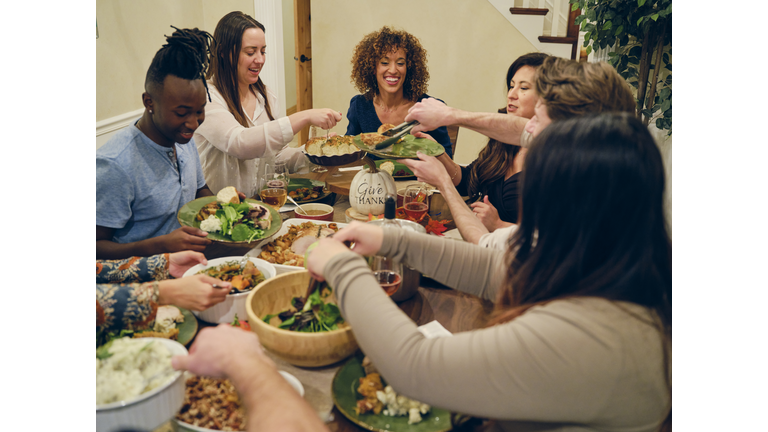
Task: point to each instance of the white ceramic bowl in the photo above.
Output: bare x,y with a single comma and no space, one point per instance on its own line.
225,311
177,425
149,410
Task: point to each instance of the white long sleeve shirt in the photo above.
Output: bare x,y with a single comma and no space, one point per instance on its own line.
234,155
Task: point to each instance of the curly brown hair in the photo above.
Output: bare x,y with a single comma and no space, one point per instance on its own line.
374,46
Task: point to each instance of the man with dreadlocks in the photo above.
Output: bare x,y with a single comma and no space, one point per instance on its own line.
147,171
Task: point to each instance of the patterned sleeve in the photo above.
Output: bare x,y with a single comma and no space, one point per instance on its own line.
126,306
134,269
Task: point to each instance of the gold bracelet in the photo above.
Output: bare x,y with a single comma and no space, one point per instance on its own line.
456,172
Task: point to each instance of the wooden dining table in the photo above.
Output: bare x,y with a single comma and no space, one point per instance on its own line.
454,310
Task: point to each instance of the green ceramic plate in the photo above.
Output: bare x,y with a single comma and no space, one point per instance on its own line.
405,149
345,396
398,167
188,213
188,328
296,183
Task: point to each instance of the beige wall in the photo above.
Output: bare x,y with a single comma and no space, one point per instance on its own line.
469,43
131,32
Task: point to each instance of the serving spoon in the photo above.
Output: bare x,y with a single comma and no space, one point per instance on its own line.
297,205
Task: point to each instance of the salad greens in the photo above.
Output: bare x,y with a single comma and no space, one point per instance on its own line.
236,223
310,315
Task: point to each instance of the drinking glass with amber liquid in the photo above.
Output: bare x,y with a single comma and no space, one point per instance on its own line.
275,190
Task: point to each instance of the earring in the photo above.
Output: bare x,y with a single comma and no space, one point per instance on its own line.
151,112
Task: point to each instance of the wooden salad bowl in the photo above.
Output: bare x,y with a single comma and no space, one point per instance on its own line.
301,349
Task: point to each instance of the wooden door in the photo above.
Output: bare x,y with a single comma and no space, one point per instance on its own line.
303,58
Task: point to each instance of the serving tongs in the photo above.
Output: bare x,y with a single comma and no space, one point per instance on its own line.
314,283
395,134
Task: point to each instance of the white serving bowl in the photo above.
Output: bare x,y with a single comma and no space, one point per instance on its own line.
225,311
149,410
180,426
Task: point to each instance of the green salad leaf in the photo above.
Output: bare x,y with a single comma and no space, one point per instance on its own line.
310,315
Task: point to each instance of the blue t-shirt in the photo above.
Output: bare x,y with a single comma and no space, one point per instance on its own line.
138,190
363,119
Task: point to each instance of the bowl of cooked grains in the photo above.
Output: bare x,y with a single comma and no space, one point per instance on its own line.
212,404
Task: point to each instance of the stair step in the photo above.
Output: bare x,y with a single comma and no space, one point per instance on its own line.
559,39
528,11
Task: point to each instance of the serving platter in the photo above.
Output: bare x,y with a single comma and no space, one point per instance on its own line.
345,397
405,149
188,213
337,160
297,183
281,268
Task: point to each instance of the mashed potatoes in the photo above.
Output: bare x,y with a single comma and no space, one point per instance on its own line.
121,376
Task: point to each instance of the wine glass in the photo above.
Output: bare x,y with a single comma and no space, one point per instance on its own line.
275,183
315,132
388,273
415,201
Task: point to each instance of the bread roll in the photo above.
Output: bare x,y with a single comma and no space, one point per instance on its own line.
228,195
385,127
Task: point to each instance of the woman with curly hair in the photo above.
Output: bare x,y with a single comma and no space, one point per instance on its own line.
242,134
389,69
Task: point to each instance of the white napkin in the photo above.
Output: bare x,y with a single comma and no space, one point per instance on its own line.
434,329
354,168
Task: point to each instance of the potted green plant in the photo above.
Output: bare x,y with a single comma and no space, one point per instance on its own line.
641,33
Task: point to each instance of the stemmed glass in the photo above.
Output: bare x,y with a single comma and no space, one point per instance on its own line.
415,201
388,273
275,183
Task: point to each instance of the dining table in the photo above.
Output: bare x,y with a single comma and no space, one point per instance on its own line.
432,302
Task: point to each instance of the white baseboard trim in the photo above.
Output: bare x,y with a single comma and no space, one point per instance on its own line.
117,122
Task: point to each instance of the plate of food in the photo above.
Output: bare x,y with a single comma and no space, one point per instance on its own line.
335,151
171,322
286,249
227,220
358,391
406,148
212,404
397,170
306,190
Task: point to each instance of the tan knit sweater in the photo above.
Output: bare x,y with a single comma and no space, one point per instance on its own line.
571,365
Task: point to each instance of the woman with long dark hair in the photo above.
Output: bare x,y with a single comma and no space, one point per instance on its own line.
495,174
580,337
242,133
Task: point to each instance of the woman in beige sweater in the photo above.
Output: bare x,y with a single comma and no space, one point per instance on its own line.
582,341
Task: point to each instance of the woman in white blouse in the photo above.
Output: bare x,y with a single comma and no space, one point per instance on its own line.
240,134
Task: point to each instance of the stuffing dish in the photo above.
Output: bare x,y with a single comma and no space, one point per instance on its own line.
213,404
